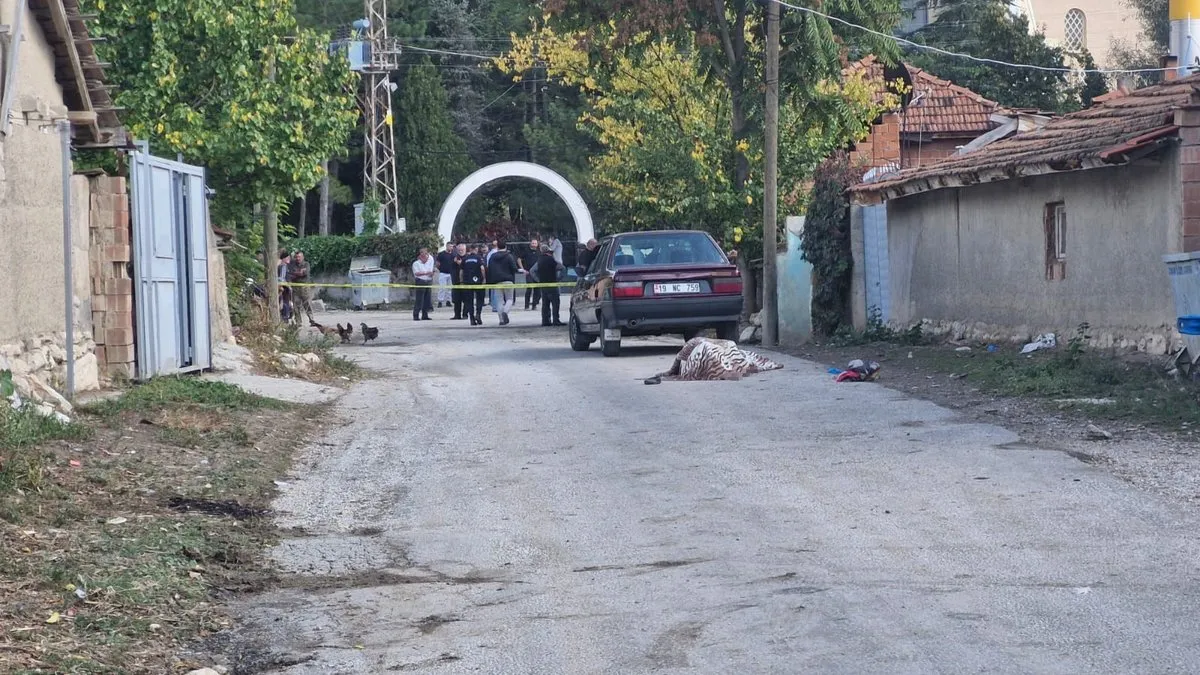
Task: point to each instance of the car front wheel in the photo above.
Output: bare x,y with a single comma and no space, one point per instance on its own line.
579,341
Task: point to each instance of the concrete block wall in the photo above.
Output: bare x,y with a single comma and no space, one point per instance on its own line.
110,252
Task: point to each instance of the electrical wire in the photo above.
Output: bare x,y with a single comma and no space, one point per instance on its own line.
969,57
450,53
886,36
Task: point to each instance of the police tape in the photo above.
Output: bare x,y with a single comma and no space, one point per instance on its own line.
465,287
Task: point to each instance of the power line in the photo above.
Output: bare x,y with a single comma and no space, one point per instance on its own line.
450,53
969,57
886,36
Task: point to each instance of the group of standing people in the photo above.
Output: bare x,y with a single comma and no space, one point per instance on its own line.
293,269
463,266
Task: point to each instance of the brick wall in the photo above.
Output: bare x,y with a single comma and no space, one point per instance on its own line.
928,152
112,286
882,147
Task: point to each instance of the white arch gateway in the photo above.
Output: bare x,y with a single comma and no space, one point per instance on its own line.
459,196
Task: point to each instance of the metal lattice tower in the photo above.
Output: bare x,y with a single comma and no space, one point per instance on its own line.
381,59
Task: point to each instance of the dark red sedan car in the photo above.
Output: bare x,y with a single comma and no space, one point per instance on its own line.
655,283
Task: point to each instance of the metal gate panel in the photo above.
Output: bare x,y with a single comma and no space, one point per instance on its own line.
170,239
875,254
196,199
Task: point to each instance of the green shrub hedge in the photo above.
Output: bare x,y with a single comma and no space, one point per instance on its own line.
332,254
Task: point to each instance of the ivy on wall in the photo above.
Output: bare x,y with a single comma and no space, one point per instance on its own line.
826,244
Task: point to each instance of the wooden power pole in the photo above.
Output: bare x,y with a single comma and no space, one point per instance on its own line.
271,262
770,310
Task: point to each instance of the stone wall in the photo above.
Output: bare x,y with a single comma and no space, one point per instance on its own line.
111,283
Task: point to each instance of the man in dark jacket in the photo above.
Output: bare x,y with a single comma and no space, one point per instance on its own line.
586,256
502,270
529,260
547,268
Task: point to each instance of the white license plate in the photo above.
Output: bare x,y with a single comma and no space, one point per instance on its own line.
612,333
672,289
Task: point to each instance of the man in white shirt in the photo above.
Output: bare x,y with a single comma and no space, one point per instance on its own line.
423,271
556,250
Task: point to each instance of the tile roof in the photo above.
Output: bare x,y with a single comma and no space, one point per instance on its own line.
78,70
938,107
1105,134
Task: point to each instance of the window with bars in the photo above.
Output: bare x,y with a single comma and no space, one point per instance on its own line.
1075,30
1056,241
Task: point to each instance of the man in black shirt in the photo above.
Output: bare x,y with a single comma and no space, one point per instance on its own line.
445,274
471,272
529,260
547,268
458,296
502,270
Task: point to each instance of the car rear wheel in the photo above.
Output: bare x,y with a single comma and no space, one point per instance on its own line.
610,347
728,331
579,341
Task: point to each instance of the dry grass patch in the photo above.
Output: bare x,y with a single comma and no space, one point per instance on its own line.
119,542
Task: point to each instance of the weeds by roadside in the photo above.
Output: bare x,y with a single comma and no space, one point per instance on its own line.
116,535
267,342
876,331
1095,385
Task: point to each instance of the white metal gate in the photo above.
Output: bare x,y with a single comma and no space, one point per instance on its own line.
875,253
170,239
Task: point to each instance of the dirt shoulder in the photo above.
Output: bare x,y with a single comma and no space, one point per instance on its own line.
123,530
1054,399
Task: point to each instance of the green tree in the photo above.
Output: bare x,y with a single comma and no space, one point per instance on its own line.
988,29
662,124
234,85
1153,42
432,157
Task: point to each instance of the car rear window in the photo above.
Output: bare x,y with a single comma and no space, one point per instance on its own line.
667,248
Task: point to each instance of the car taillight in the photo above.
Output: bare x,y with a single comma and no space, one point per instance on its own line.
627,289
727,286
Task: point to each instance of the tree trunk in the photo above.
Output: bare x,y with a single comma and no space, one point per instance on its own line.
302,226
749,285
326,209
271,260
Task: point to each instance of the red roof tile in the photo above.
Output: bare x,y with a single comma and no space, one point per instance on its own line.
938,106
1104,134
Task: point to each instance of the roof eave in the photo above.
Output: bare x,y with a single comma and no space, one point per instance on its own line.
94,121
873,194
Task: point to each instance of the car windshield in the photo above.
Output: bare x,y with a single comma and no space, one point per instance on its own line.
667,248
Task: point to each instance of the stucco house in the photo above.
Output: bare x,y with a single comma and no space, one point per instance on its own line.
1051,228
48,73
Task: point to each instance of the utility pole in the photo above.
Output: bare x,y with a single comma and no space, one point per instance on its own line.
770,310
271,253
379,145
271,242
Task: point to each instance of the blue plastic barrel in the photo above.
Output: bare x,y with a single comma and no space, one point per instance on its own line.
1189,325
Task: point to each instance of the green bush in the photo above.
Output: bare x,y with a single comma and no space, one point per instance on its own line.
332,254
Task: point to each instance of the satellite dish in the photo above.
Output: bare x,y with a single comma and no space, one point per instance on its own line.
900,72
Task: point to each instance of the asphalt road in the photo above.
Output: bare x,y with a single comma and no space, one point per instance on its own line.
498,503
